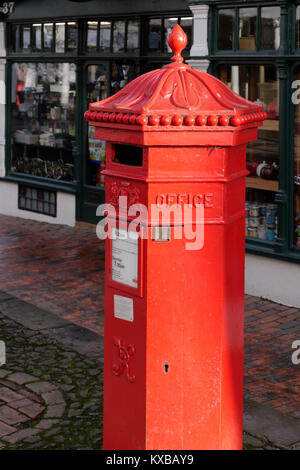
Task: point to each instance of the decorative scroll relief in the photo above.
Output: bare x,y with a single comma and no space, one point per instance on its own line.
125,354
126,189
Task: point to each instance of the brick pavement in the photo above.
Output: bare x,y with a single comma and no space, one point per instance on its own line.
61,269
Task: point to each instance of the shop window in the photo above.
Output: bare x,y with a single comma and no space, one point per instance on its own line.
60,31
43,119
37,200
155,35
72,37
226,29
21,38
92,33
159,30
36,38
259,83
298,27
270,28
296,102
96,149
119,36
48,37
247,28
132,44
123,72
238,29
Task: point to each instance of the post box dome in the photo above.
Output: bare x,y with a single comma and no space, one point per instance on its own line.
176,95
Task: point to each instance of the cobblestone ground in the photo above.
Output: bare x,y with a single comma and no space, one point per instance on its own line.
50,395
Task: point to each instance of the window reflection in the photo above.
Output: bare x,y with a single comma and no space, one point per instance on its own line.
36,37
122,72
154,38
225,29
104,35
270,28
91,40
26,42
119,36
48,37
132,35
60,37
72,36
247,28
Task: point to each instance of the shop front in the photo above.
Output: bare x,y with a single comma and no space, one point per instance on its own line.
54,67
254,47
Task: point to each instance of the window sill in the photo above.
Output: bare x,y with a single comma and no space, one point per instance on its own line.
61,186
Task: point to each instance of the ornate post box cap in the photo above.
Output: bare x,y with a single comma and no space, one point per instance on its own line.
174,99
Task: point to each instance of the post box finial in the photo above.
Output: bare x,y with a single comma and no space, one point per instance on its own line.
177,42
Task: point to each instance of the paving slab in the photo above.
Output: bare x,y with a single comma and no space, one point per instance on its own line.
80,339
263,421
30,316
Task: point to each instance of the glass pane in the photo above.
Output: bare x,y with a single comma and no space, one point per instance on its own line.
270,28
154,40
260,84
133,36
169,25
91,40
122,72
48,37
43,119
17,43
60,37
298,27
225,29
72,36
105,35
26,40
119,36
296,102
96,149
37,37
187,26
247,28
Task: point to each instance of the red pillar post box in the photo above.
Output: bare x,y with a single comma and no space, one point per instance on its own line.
173,354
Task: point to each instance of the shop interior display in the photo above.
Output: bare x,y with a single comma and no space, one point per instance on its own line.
260,84
43,119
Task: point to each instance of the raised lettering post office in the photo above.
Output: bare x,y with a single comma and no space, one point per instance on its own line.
173,373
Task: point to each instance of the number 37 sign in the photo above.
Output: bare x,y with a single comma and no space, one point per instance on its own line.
7,7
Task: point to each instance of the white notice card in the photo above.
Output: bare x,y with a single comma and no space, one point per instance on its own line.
123,308
124,258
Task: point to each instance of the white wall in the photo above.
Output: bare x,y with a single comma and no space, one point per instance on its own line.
9,206
273,279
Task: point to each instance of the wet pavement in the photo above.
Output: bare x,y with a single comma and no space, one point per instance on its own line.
59,272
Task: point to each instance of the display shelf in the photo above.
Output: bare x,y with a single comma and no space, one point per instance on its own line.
254,182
